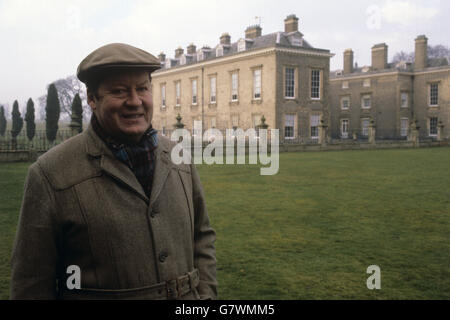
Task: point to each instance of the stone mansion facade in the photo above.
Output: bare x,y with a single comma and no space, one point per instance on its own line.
279,76
282,77
393,97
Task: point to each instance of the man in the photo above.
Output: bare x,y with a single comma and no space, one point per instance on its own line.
110,202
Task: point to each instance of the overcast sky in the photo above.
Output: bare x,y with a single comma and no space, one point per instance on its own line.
42,41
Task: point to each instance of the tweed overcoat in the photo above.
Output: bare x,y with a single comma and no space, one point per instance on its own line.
84,207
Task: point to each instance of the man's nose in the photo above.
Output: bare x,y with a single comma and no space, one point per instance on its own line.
133,99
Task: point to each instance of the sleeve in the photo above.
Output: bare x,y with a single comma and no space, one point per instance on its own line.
34,257
204,237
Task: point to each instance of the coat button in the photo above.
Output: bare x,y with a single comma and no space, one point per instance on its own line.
162,256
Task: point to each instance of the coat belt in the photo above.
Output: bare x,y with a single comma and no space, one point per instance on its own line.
171,289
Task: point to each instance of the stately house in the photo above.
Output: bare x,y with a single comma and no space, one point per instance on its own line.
232,85
393,98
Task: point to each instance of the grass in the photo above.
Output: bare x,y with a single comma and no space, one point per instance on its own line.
311,231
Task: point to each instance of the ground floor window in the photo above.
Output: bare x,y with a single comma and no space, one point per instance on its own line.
365,127
404,127
289,122
433,126
314,123
344,128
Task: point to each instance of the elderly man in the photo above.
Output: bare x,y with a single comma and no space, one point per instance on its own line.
110,203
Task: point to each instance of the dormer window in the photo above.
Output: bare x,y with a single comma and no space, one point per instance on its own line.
296,41
200,56
183,60
241,45
219,51
168,63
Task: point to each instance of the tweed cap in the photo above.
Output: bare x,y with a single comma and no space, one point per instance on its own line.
116,56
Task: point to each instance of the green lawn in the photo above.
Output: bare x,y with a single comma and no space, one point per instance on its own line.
311,231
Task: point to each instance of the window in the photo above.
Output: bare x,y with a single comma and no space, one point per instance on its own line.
235,121
234,86
314,124
404,123
366,102
183,60
177,93
404,99
219,51
296,42
434,94
365,127
344,128
200,55
289,83
345,103
163,126
212,89
433,126
241,45
345,85
315,84
257,84
194,91
289,122
366,83
163,96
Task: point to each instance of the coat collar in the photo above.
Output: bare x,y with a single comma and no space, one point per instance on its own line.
97,148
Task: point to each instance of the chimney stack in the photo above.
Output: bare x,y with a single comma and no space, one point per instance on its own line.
225,39
178,52
291,23
348,61
253,32
380,56
191,49
162,57
421,53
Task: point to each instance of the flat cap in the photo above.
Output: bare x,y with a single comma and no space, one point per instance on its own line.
116,56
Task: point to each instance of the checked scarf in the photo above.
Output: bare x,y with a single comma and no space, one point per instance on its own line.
139,157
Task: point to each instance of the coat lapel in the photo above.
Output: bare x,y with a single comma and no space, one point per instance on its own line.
110,165
163,165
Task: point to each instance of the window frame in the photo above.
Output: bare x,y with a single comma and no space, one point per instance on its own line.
194,93
406,104
404,131
211,100
255,87
178,93
315,128
290,137
430,95
430,127
163,95
234,86
314,85
363,98
286,85
346,135
365,130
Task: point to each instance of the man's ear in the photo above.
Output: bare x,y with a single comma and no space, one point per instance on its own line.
91,100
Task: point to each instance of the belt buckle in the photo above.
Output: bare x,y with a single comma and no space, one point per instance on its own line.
172,289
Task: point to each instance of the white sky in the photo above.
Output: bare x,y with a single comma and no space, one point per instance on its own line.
42,41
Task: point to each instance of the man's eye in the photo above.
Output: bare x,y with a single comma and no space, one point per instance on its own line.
142,89
118,91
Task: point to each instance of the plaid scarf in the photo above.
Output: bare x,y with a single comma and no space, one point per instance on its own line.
139,157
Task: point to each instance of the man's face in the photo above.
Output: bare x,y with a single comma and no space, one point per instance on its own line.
123,105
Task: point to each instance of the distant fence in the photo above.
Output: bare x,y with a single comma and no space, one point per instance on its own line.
26,150
38,143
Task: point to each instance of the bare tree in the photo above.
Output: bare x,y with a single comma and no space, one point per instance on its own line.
67,89
434,52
